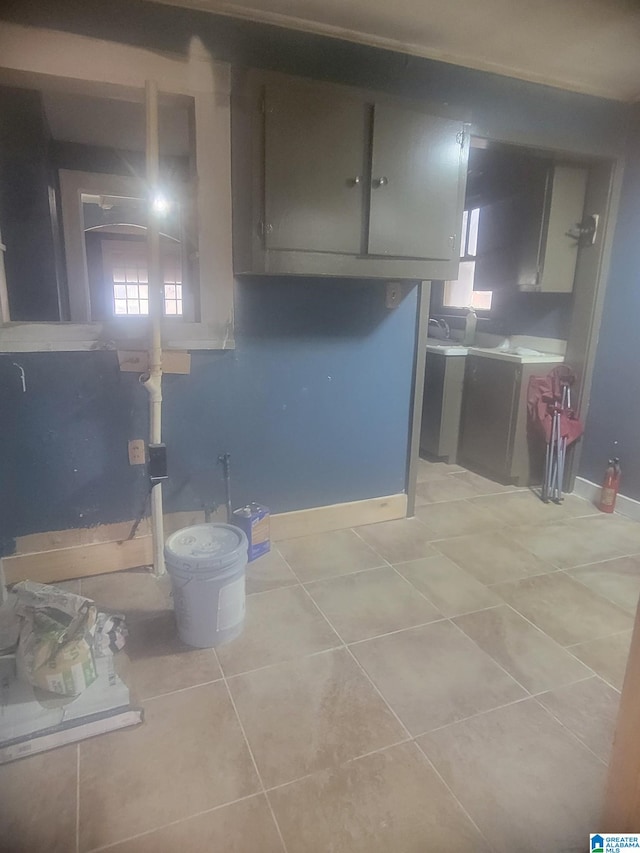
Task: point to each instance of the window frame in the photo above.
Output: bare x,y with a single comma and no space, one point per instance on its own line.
466,257
77,63
73,185
112,259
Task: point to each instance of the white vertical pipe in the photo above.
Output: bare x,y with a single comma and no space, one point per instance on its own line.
153,383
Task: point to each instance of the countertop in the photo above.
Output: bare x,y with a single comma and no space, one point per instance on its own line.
446,347
527,358
517,352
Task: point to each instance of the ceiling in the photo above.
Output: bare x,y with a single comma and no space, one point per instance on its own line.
91,120
590,46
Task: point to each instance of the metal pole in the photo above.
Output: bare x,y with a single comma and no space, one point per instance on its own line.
225,460
153,381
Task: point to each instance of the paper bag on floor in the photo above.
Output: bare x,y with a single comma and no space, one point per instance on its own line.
55,648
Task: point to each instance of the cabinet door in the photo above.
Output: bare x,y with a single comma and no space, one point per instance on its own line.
432,403
314,169
550,209
488,414
568,190
417,184
497,254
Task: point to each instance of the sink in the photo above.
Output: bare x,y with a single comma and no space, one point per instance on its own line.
446,347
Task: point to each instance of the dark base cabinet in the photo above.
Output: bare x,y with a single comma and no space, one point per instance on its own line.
441,405
494,435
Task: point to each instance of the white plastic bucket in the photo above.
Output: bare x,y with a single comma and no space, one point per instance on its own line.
206,564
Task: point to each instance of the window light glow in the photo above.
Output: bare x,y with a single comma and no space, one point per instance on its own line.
160,204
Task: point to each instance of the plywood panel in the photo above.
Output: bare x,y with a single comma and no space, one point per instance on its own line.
62,555
79,561
137,361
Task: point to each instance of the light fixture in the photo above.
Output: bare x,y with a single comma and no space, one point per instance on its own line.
160,204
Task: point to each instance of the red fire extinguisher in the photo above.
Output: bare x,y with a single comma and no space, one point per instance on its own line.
610,487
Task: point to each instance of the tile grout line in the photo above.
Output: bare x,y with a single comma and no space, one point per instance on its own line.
333,767
263,790
635,554
595,592
268,666
475,716
553,640
529,694
360,668
490,657
588,677
419,591
549,637
356,661
564,521
595,672
567,649
344,574
291,585
362,539
452,793
592,672
387,564
511,543
572,733
413,738
171,823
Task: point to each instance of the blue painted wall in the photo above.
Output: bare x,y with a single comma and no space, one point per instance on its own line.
298,438
613,425
313,405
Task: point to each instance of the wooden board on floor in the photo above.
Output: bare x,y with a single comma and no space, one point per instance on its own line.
35,543
66,554
622,798
79,561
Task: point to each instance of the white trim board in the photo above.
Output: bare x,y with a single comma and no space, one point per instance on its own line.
47,59
629,507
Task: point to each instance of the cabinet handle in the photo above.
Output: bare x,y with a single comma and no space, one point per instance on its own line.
356,180
380,182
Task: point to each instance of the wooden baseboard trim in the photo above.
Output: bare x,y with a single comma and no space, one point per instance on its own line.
66,554
322,519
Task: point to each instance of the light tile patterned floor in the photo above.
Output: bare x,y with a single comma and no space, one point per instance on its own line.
445,682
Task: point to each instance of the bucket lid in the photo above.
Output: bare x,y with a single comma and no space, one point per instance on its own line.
206,547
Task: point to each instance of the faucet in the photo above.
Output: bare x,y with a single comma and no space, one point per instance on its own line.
442,325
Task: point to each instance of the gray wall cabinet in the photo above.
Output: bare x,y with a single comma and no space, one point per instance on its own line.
329,180
494,435
548,252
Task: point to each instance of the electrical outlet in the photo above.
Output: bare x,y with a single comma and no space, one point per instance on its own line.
394,292
137,452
